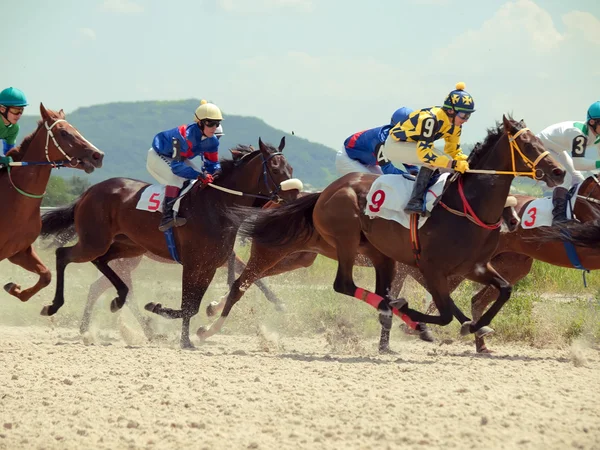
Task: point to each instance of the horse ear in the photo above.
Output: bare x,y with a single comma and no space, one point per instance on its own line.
282,144
522,123
508,126
236,154
260,143
61,114
44,112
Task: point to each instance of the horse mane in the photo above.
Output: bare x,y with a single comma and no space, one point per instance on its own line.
17,153
227,165
493,136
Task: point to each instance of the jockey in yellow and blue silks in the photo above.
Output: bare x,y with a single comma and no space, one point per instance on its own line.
411,141
184,153
363,151
12,105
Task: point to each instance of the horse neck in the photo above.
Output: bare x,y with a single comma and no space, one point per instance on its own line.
587,210
33,179
487,193
246,178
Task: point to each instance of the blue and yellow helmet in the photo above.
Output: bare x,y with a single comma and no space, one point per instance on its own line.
13,97
593,111
460,100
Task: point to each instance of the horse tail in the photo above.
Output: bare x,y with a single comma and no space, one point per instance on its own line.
586,234
280,226
60,223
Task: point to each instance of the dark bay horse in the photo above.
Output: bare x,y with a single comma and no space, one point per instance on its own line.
110,227
449,244
54,143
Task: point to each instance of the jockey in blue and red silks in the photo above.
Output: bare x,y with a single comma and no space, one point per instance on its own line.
172,157
363,151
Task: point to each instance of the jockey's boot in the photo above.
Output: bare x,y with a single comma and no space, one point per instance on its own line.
416,204
169,217
559,204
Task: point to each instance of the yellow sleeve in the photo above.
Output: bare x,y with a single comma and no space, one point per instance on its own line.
452,146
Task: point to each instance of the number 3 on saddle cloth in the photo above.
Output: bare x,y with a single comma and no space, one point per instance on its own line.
538,213
389,195
152,200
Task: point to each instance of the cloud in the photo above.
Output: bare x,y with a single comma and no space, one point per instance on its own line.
262,6
583,23
122,6
87,33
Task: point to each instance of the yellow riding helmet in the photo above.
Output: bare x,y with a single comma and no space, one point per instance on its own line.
207,111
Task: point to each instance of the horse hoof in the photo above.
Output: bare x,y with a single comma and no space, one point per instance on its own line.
187,345
484,350
9,287
114,305
484,331
465,328
426,335
387,351
398,303
152,307
211,309
47,311
201,333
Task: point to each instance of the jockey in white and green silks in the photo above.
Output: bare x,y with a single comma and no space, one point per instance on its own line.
568,143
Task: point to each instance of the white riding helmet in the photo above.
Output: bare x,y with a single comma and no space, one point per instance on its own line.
207,111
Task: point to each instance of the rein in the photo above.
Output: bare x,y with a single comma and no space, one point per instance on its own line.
266,175
55,164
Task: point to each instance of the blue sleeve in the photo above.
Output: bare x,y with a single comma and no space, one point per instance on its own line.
211,167
8,147
390,169
184,171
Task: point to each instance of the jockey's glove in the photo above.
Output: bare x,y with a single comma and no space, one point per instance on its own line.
460,166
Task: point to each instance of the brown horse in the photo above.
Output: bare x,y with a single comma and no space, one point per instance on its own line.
54,143
449,244
110,227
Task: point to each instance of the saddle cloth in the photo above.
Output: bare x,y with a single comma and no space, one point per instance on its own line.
539,212
389,195
153,197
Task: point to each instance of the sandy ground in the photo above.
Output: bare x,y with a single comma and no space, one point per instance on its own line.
265,392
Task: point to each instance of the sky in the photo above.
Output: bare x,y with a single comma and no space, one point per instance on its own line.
324,69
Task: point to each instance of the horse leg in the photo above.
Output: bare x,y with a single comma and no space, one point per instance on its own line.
262,259
30,261
195,282
231,266
238,268
487,275
97,288
438,286
513,267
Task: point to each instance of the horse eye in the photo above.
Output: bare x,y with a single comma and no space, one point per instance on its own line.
64,133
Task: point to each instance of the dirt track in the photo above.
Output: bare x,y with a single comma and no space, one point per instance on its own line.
270,393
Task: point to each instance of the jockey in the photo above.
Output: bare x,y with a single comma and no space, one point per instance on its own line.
12,105
363,151
411,141
568,142
172,157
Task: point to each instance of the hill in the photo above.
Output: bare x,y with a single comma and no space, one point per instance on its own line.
124,131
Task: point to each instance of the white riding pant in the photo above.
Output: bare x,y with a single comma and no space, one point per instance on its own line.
344,165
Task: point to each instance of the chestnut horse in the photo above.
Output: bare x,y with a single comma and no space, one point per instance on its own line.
110,227
54,143
449,244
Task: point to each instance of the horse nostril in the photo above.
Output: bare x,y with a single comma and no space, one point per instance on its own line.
97,155
557,172
514,222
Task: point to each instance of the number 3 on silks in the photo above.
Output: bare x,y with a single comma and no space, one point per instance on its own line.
532,214
377,200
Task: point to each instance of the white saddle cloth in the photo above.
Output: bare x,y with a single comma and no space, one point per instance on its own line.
389,195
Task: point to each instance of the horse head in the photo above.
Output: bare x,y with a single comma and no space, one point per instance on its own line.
277,172
64,141
529,157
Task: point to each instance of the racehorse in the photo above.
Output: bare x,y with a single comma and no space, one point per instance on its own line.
110,227
23,180
448,244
